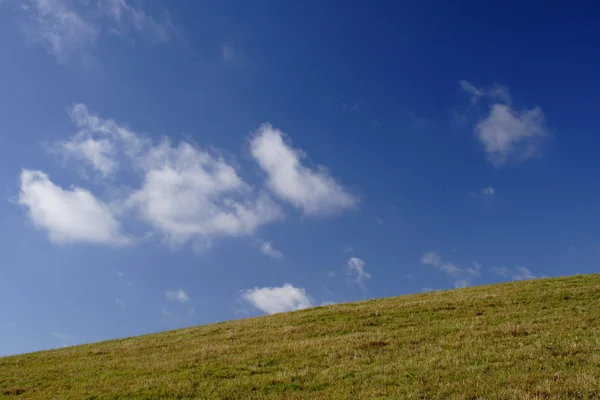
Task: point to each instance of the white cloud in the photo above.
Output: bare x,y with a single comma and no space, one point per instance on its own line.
431,258
461,283
120,303
186,193
511,136
268,249
451,269
488,191
502,271
475,270
522,273
73,215
178,295
59,28
190,193
278,299
125,15
69,29
99,142
313,191
356,268
517,273
507,135
494,92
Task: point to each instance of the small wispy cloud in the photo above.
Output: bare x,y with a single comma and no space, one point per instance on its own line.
356,269
68,29
522,273
488,192
516,274
268,249
178,295
495,92
229,53
466,275
475,269
451,269
431,258
120,303
60,336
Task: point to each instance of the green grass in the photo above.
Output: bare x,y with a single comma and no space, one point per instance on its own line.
523,340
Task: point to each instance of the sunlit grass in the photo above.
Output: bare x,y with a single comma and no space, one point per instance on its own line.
523,340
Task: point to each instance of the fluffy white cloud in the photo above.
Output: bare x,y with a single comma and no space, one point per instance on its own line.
73,215
511,136
69,28
313,191
507,135
431,258
178,295
356,268
488,191
185,193
278,299
188,192
268,249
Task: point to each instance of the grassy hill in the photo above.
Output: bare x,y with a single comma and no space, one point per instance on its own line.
522,340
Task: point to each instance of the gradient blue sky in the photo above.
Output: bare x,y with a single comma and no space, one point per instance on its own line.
167,164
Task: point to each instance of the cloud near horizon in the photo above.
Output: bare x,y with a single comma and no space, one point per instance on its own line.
273,300
433,259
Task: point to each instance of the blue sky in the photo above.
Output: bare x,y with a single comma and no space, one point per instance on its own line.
169,164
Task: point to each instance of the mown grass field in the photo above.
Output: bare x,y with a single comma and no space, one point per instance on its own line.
522,340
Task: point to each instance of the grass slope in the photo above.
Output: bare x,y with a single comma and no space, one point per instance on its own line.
523,340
